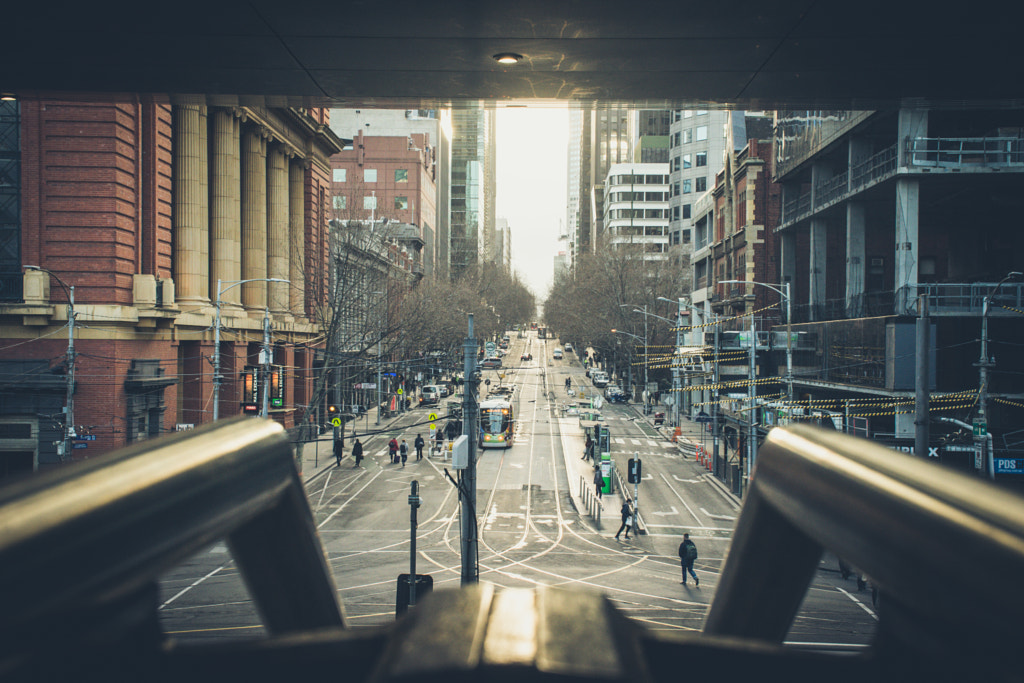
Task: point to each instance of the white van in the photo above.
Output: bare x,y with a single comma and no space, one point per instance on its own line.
599,378
430,395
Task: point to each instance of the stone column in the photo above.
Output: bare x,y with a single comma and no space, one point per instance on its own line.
277,231
254,220
191,221
296,239
819,251
225,235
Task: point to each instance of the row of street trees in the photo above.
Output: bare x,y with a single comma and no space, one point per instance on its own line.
381,313
603,294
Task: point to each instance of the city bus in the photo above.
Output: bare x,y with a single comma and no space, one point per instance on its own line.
542,332
497,423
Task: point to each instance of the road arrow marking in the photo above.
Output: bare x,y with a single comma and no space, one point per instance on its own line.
685,481
662,514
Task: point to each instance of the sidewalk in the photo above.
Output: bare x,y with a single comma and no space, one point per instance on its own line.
318,455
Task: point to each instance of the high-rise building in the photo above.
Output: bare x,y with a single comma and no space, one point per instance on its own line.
503,245
472,186
636,210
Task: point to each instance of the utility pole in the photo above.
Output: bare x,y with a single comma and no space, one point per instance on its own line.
984,363
69,405
921,379
467,477
752,394
266,363
69,422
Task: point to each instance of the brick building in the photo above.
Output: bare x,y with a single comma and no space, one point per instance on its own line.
153,211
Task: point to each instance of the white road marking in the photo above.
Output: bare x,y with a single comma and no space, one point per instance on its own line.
712,516
685,481
674,512
862,605
635,442
669,484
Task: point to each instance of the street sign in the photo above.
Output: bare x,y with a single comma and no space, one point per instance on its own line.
980,428
366,385
491,347
336,422
432,417
1009,465
86,437
81,445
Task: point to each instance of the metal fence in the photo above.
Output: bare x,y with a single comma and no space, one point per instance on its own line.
81,548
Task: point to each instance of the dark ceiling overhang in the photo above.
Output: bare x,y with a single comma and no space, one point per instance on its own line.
764,54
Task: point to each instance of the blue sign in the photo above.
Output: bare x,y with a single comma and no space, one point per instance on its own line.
1009,465
86,437
81,445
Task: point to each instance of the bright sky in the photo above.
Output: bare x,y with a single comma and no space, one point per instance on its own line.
531,188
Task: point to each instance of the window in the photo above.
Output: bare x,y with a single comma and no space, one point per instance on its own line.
675,139
369,203
702,159
702,132
675,189
688,135
675,164
401,203
675,213
701,184
687,114
338,201
370,175
339,174
401,175
686,210
687,161
687,188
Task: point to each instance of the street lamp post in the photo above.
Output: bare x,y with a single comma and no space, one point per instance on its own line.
644,340
984,363
676,383
646,356
69,410
216,340
784,293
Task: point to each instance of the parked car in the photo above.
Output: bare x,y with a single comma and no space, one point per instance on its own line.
558,354
599,378
614,393
490,363
526,356
568,347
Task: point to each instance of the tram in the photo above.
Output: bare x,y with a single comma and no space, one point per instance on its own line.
497,423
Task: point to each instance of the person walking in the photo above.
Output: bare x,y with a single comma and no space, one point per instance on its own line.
393,450
588,448
599,482
357,452
439,438
404,450
419,443
687,556
627,519
339,451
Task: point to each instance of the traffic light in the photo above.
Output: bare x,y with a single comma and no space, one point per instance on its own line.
633,471
332,410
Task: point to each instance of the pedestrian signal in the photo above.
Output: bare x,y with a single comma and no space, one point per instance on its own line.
633,472
332,409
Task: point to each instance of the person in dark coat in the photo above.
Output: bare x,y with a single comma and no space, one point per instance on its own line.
439,438
419,443
588,448
339,450
357,452
404,451
627,519
687,556
599,483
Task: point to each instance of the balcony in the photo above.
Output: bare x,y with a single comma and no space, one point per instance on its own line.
966,154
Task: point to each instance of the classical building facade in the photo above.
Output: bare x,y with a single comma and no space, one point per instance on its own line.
155,214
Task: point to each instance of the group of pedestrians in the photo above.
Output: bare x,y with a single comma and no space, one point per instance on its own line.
397,452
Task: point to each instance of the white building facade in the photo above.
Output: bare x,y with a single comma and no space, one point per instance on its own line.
636,209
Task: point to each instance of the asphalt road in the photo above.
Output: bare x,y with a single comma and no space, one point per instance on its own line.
531,532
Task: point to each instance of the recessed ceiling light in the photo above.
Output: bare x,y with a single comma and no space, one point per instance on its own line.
507,58
7,97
